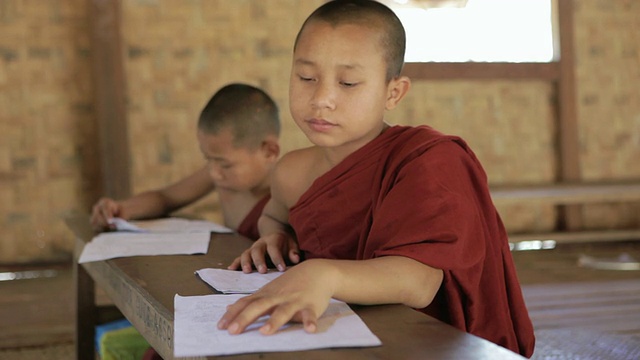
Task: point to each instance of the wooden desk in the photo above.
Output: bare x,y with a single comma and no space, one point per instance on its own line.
143,289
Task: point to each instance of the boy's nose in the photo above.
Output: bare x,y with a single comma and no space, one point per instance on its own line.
215,173
323,96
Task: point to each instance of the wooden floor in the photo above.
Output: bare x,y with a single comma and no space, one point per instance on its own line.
582,312
578,312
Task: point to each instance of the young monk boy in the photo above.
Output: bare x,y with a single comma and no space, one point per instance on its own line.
238,133
381,214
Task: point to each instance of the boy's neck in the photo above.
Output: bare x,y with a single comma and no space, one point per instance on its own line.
334,155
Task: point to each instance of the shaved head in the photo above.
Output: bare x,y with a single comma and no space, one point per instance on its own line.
373,15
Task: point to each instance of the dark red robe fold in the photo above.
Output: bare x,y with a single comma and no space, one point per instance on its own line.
417,193
249,226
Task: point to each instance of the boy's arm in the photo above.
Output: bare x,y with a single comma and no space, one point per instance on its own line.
302,293
154,203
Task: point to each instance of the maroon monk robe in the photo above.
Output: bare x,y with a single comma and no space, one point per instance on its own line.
417,193
249,226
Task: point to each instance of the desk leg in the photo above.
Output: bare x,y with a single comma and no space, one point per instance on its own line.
85,313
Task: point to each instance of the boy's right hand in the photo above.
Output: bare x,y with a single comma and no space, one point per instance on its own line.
275,246
103,211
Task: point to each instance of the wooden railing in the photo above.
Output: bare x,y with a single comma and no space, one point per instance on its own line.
571,194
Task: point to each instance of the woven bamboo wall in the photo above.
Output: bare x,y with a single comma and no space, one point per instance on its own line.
177,53
48,160
608,76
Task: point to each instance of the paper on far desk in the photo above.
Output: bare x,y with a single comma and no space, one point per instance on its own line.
168,225
235,282
122,244
196,332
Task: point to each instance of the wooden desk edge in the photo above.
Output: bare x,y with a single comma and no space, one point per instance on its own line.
155,321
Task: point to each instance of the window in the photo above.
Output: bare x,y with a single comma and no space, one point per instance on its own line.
477,30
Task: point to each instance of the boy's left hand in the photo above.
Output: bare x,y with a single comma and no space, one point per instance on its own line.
276,246
301,294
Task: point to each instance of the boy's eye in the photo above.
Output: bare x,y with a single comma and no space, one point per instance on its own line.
304,78
348,84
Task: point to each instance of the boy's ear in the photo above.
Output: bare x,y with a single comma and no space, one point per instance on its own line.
397,89
271,147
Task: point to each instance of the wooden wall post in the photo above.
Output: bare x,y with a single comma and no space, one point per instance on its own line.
110,97
570,217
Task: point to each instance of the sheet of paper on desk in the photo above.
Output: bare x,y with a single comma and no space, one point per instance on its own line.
122,244
169,225
235,282
196,333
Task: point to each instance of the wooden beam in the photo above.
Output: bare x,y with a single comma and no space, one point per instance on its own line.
567,194
110,99
482,71
568,138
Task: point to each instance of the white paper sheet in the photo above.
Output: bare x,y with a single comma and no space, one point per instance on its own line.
196,332
168,225
121,244
236,282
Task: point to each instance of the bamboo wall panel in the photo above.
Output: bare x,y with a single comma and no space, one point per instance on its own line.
47,148
608,77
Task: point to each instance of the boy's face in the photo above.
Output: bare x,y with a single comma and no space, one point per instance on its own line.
338,92
234,168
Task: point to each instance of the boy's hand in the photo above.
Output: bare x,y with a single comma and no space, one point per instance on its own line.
275,245
301,294
103,211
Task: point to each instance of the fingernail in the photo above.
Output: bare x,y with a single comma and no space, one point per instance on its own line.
222,324
310,328
265,329
262,268
280,267
233,328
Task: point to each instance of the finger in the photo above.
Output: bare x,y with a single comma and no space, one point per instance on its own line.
287,312
235,265
108,210
257,257
246,263
276,257
280,315
294,253
232,311
294,256
309,321
97,220
244,313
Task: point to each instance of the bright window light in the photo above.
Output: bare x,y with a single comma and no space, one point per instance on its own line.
478,31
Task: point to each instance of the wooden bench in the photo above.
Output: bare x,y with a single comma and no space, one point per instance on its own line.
571,194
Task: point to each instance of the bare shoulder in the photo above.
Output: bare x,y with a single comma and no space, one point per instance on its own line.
293,175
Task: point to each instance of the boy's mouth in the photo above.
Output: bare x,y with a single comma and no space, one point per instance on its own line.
320,125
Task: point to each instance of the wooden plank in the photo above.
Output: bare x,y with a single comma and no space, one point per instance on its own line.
567,193
86,314
110,98
576,237
482,71
539,292
155,322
